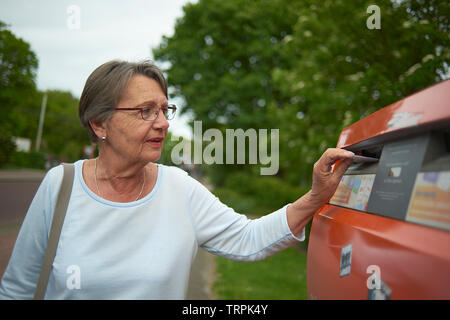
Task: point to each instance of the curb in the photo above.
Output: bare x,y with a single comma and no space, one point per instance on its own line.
21,175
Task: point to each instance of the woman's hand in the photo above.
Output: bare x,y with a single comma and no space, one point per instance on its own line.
327,174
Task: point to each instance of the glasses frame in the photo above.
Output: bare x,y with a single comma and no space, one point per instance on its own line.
141,107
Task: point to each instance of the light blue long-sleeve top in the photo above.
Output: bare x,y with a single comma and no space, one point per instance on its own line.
136,250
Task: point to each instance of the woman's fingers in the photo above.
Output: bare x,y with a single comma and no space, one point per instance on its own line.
342,166
331,156
325,179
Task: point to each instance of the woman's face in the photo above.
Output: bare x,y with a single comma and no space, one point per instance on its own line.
127,133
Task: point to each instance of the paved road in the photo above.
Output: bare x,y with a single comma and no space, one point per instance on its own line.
202,277
17,189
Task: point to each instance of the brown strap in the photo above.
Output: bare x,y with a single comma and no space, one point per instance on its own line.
55,230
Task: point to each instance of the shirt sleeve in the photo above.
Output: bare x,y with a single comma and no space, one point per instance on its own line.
22,273
222,231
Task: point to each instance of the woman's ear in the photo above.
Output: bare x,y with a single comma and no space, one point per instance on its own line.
99,127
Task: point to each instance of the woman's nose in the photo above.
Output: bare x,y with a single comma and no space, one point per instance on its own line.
161,122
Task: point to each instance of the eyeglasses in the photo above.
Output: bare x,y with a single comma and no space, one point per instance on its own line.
151,112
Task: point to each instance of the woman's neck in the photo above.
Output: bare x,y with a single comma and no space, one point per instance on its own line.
118,176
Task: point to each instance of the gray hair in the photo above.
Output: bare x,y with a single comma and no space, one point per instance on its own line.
106,85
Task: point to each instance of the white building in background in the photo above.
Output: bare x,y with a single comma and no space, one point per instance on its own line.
22,144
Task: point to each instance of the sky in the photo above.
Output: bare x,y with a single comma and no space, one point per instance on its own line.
73,37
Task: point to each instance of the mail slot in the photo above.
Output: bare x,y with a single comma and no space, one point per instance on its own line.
385,233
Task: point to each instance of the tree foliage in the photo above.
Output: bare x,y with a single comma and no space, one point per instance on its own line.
221,57
63,134
20,105
342,71
18,66
309,68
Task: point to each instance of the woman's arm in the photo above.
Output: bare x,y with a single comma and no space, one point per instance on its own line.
220,230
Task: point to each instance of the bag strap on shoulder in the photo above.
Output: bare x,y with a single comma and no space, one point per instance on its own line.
55,230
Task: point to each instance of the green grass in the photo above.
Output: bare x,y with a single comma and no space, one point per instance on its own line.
279,277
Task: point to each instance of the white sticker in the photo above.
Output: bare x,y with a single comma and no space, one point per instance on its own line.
443,181
346,260
404,119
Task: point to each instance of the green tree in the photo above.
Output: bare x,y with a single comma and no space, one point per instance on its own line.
63,135
341,71
18,65
221,57
309,68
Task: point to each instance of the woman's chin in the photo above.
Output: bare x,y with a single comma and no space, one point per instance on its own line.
153,156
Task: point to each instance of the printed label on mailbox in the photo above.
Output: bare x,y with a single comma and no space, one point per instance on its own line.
430,201
396,173
354,191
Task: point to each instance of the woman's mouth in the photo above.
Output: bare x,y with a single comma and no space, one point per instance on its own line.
156,142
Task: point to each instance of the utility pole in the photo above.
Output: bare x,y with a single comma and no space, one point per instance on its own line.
41,121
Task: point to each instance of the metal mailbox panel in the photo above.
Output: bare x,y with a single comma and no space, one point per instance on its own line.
413,260
385,233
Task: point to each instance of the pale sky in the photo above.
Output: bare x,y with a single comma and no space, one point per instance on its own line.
73,37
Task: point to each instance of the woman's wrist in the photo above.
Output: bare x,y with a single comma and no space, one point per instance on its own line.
308,202
301,211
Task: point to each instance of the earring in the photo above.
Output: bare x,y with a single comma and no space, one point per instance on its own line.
103,139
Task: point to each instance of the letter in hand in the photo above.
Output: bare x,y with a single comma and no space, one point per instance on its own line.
327,174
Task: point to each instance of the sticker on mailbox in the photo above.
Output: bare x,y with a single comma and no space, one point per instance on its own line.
404,119
354,191
346,260
430,201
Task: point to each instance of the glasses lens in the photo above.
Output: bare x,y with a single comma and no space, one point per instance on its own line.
170,112
149,113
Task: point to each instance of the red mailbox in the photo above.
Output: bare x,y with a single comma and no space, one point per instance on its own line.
385,234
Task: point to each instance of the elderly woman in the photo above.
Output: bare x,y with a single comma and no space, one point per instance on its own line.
133,227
